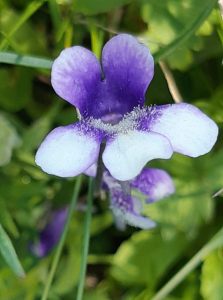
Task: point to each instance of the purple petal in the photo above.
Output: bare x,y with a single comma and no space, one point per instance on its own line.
128,210
189,130
69,151
128,68
126,154
50,236
155,184
76,73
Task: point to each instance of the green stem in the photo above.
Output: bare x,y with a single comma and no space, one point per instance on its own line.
80,288
215,243
100,170
62,240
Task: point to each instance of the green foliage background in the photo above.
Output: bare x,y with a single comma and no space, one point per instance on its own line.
133,264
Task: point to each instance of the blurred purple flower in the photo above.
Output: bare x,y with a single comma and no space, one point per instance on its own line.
50,236
113,108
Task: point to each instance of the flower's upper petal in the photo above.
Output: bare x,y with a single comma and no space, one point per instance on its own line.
76,73
189,130
51,234
69,151
155,184
126,154
128,69
127,210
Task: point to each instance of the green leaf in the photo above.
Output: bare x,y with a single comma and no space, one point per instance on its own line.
145,256
184,212
96,294
212,277
89,7
27,61
15,88
209,105
35,134
174,24
9,254
9,140
101,222
65,282
191,205
7,220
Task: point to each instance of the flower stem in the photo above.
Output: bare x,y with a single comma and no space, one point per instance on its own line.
100,170
125,185
216,242
80,288
62,240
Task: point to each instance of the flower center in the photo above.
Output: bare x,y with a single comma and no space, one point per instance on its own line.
114,123
112,118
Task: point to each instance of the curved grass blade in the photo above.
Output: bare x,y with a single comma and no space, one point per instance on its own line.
55,14
27,61
215,243
163,53
8,252
29,11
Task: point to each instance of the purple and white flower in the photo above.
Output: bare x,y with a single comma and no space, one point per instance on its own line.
112,108
154,184
51,235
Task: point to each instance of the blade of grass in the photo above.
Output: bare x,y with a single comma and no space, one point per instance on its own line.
29,11
12,43
27,61
55,14
8,252
64,25
80,288
97,36
215,242
63,237
163,53
68,36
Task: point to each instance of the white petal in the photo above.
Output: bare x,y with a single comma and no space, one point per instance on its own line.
189,130
131,219
126,154
139,221
92,171
67,152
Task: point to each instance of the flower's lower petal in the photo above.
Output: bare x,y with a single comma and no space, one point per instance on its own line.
50,236
126,154
69,151
92,171
189,130
76,73
155,184
128,67
127,210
